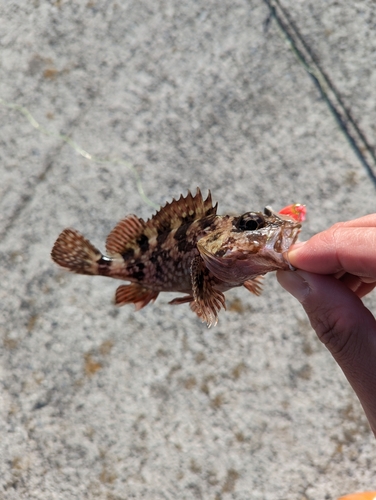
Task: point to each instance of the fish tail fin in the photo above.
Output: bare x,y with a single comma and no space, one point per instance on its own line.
75,253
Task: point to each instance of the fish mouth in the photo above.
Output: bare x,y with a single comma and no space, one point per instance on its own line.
289,239
288,236
239,265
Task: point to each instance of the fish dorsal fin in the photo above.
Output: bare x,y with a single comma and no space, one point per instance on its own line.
128,231
187,208
124,235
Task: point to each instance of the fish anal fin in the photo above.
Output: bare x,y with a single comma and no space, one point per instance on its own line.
75,253
124,235
207,300
134,294
181,300
184,210
254,285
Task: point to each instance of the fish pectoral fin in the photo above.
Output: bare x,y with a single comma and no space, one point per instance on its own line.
254,285
207,300
181,300
134,294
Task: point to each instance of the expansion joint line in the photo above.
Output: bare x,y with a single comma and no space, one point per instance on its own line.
356,138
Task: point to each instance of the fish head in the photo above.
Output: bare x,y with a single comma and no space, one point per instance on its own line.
243,247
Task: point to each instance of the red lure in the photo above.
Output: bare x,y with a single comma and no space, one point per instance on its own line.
295,211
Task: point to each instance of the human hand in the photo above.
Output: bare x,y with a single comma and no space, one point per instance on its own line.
335,269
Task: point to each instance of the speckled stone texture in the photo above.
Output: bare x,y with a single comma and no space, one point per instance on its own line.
104,403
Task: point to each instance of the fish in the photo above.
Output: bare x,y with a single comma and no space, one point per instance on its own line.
187,248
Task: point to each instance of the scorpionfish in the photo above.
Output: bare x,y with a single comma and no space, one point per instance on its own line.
186,247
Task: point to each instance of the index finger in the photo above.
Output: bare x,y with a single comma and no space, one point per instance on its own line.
365,221
342,247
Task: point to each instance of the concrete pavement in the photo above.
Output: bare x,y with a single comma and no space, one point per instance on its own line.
99,402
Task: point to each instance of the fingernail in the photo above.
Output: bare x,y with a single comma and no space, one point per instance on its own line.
294,283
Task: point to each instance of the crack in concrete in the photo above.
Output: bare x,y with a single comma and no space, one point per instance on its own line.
347,123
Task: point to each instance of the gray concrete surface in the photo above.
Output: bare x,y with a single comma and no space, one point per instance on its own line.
99,402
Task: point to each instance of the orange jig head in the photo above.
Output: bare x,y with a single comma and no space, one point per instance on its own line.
296,211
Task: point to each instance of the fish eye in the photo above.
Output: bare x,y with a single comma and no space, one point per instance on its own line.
250,222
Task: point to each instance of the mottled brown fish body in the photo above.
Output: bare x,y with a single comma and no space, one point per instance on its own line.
185,247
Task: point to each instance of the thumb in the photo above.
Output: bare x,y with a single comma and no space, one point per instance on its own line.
344,325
